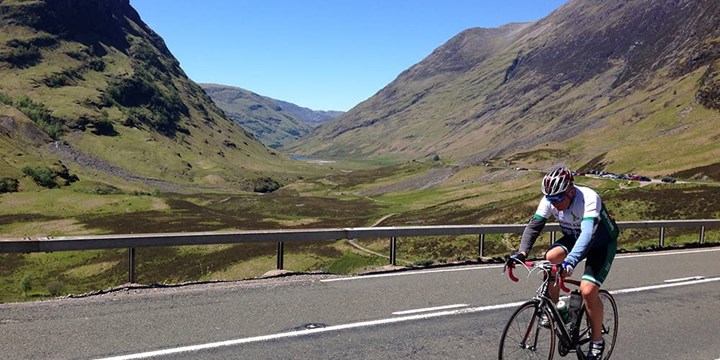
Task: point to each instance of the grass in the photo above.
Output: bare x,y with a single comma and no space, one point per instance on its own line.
352,263
71,203
252,268
474,195
59,212
75,271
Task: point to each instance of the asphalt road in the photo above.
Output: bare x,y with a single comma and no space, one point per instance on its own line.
455,312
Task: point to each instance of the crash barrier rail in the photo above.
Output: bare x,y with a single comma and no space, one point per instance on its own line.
132,241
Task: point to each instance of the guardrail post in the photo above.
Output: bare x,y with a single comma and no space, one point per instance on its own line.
552,237
481,246
662,237
280,254
131,265
702,235
393,251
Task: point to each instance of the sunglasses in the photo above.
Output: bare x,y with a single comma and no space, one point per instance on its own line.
556,198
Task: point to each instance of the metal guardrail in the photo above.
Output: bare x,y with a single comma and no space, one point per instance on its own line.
132,241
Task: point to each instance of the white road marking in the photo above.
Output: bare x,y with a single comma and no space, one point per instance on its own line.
361,324
665,253
309,332
685,279
655,287
413,272
415,311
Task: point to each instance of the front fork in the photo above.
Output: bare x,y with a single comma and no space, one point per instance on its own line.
532,327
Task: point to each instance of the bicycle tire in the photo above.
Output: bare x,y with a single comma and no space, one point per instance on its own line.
524,322
610,325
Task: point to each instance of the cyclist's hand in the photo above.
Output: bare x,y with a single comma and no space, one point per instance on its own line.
514,258
567,268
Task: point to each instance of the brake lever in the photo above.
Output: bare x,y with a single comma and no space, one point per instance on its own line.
510,273
560,278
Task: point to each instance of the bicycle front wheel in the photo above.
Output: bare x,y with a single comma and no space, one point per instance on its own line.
524,337
609,326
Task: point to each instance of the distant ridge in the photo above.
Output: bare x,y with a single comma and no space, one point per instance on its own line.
309,116
273,122
625,84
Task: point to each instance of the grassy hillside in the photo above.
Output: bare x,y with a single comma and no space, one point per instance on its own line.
593,79
273,122
259,115
89,84
309,116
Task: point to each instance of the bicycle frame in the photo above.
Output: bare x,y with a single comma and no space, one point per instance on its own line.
569,338
526,336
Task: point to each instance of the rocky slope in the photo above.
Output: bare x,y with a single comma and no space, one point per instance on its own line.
629,85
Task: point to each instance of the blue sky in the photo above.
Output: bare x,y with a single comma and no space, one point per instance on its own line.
319,54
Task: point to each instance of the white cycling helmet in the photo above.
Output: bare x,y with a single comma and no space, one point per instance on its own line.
556,181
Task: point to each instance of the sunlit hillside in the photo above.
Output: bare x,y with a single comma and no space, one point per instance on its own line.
89,84
630,86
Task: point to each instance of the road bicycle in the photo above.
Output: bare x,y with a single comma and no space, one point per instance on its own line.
526,337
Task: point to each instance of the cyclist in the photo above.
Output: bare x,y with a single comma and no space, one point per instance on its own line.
589,232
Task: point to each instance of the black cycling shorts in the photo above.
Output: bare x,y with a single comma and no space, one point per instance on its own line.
598,260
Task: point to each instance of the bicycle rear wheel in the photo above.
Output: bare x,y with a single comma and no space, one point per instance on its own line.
524,337
609,328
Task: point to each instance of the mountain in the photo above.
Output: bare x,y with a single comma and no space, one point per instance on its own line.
87,84
309,116
620,84
273,122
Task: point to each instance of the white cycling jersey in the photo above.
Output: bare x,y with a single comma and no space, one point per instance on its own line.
585,205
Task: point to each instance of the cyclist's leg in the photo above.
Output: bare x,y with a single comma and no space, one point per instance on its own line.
556,254
593,306
597,266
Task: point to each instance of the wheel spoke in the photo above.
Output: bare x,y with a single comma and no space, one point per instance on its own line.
524,338
609,327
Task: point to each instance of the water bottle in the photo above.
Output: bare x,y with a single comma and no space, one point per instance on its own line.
575,305
562,308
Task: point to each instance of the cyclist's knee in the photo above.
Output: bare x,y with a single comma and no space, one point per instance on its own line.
588,289
556,255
